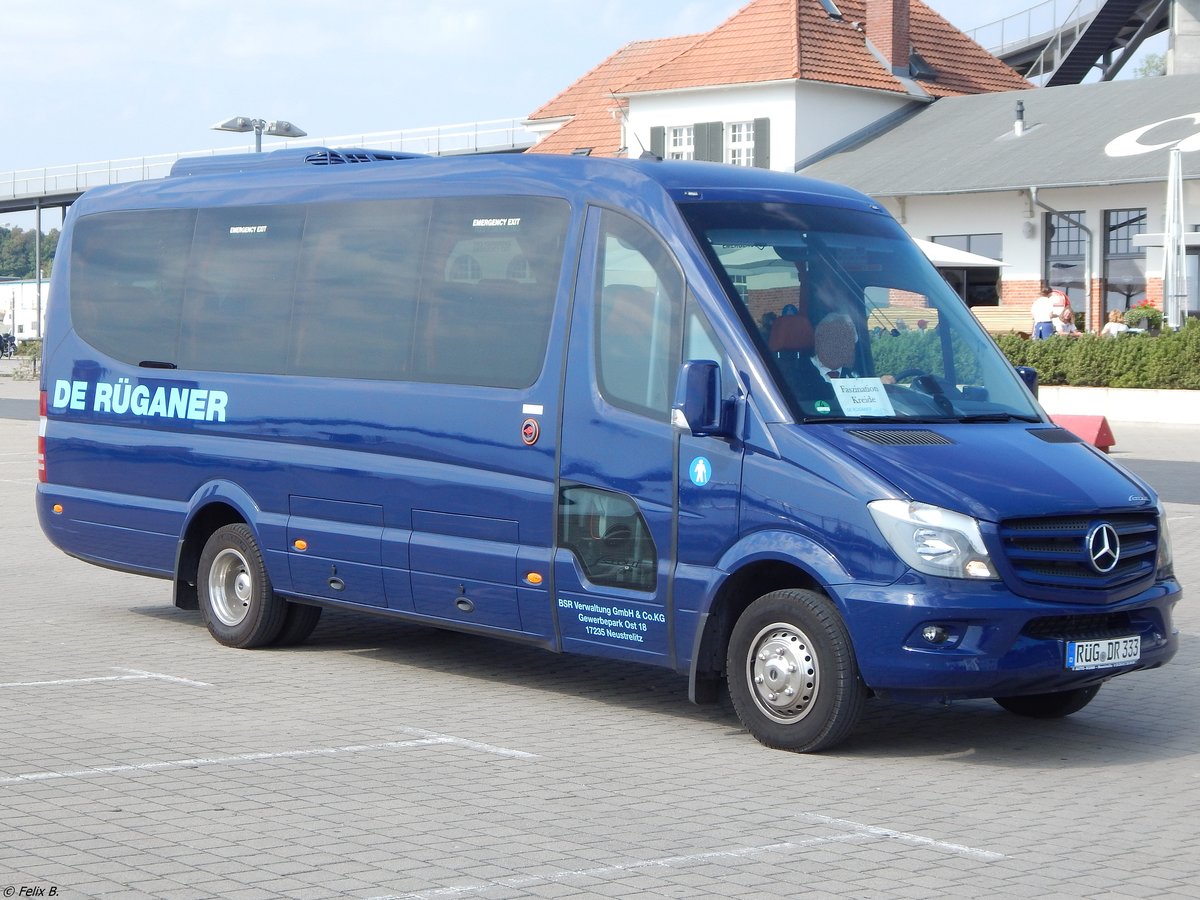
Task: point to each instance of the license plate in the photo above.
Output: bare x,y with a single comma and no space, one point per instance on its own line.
1104,654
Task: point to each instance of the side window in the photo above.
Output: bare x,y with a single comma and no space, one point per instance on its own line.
607,534
639,304
488,290
240,283
356,289
127,276
457,290
700,342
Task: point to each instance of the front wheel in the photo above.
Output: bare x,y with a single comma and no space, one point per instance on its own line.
1050,706
298,624
791,672
236,599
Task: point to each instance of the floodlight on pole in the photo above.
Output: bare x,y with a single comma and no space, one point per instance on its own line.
276,128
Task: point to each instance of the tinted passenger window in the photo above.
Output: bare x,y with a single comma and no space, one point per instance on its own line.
356,289
639,297
127,277
238,304
458,290
488,294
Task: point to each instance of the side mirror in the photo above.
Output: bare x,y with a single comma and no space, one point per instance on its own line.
1029,376
698,407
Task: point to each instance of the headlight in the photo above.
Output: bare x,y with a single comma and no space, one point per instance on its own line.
933,540
1166,561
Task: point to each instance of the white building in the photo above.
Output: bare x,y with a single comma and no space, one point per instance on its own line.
777,82
19,308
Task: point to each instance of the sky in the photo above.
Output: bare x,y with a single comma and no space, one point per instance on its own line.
89,81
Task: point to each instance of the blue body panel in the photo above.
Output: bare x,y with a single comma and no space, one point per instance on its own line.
406,498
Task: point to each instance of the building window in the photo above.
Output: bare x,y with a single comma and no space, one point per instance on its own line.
1124,264
741,143
1066,249
976,285
681,137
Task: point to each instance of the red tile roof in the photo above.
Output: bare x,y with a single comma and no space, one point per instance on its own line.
591,101
768,40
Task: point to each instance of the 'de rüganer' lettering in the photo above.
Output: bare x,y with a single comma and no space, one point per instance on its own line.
122,397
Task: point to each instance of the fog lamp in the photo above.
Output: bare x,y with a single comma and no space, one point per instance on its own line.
934,634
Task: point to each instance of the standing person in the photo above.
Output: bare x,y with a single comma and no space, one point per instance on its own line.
1043,314
1060,301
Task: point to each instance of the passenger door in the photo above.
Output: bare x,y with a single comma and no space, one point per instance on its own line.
627,478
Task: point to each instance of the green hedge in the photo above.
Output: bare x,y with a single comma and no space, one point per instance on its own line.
1168,360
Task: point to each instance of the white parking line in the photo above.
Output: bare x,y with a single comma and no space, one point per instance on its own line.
855,833
666,862
915,839
421,738
135,675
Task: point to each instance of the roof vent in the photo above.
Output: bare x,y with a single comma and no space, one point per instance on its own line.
1019,122
289,158
322,156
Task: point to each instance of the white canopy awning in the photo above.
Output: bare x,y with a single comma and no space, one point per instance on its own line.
950,258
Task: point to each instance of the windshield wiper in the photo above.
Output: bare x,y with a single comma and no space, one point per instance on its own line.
875,420
997,417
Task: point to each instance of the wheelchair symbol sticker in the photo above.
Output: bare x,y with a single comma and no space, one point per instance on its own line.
701,471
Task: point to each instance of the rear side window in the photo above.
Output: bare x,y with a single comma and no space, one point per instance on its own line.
127,279
456,290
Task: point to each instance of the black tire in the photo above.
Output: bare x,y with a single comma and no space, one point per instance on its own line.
1050,706
236,599
794,640
298,623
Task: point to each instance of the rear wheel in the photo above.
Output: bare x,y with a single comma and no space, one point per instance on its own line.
236,599
1050,706
791,672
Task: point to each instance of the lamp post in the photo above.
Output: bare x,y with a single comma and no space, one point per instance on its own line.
277,128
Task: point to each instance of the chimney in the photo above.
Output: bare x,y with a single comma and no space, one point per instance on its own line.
1019,122
887,27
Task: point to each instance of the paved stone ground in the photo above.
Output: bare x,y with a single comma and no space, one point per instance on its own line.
139,758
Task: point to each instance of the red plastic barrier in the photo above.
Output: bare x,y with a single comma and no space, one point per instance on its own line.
1093,429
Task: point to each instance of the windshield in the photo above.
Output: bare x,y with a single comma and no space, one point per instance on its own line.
851,318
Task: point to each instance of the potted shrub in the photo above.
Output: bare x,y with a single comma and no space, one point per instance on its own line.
1145,316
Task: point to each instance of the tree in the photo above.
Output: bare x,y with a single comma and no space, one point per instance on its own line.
1152,64
17,253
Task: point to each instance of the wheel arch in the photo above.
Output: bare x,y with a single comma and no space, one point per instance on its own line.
212,507
737,591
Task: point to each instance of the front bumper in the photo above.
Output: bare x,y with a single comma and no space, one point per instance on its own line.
993,643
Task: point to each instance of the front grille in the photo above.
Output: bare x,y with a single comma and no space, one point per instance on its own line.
1080,628
1052,553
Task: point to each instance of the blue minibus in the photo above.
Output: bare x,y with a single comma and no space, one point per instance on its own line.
722,420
